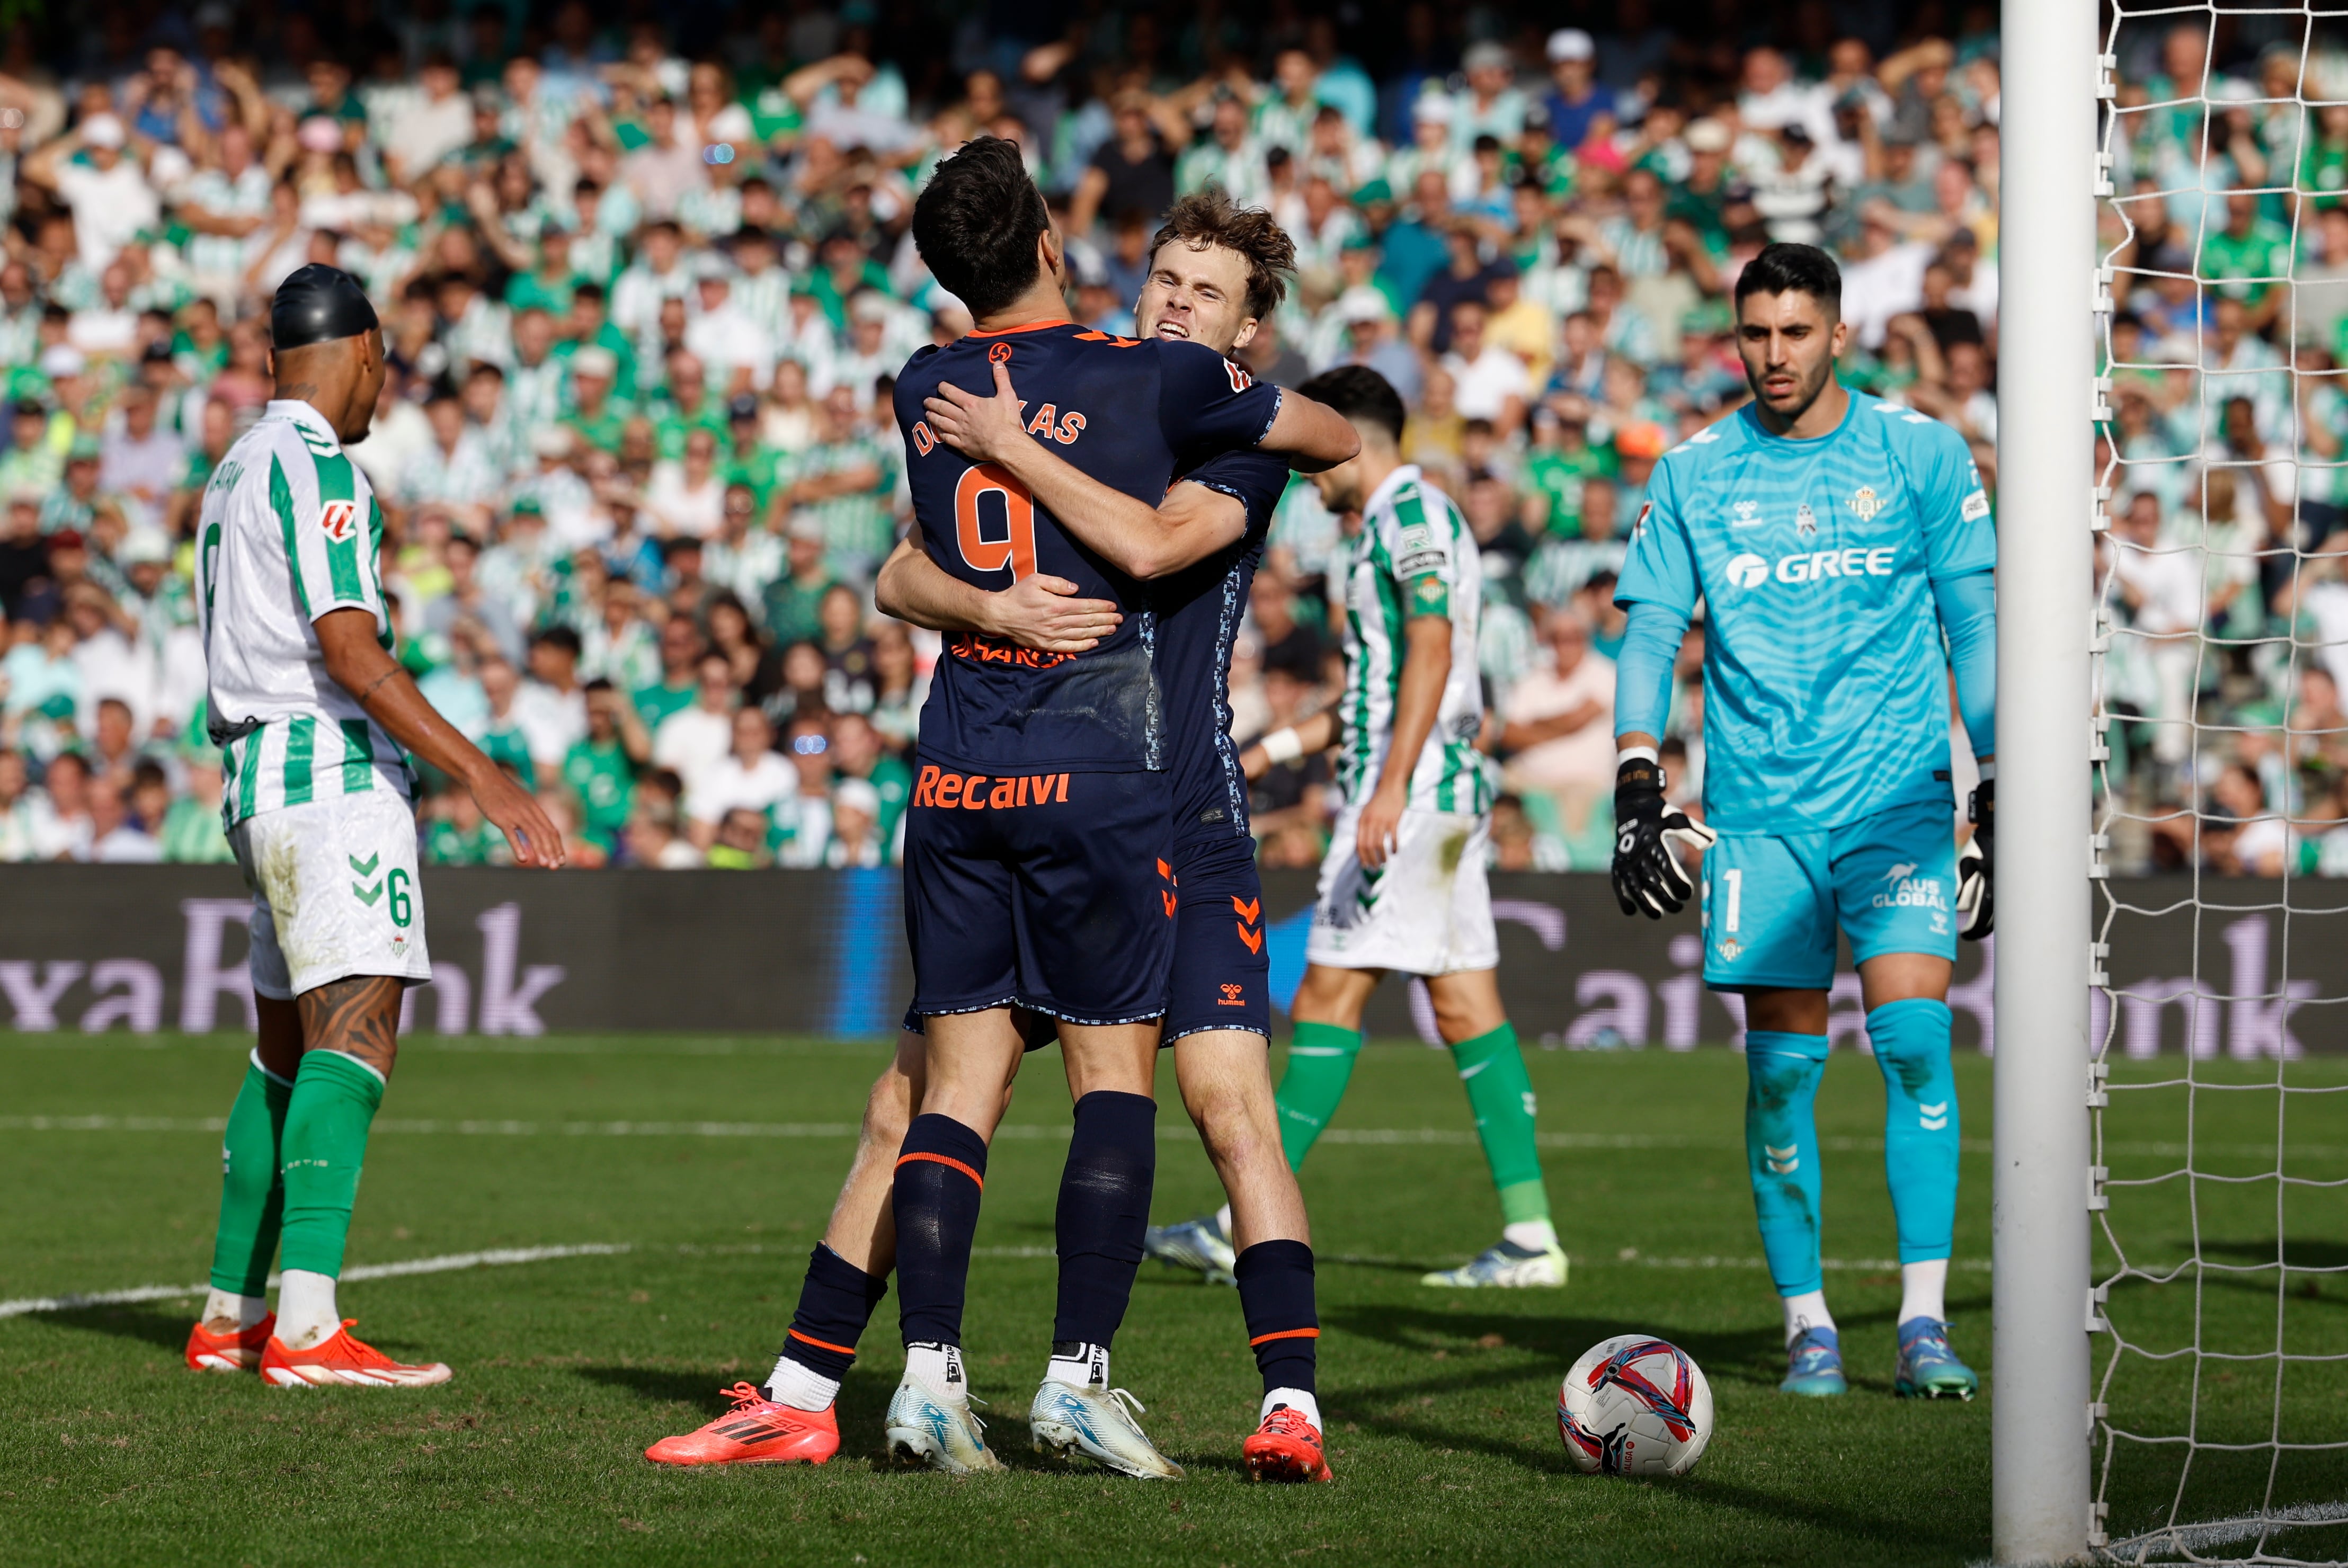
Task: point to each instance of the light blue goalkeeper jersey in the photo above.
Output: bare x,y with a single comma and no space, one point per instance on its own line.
1825,689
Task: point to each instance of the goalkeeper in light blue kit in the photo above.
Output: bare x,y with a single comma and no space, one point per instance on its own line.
1834,539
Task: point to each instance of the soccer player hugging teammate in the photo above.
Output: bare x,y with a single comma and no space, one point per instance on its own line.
311,713
1403,885
1834,538
1043,844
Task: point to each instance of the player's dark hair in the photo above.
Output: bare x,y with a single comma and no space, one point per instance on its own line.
976,224
1209,217
1361,395
1793,269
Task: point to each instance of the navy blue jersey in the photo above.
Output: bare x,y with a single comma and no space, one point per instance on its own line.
1131,413
1199,610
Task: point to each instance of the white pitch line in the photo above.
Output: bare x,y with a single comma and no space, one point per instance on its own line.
1029,1132
496,1257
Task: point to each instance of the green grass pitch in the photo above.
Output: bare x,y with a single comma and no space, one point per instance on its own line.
1441,1405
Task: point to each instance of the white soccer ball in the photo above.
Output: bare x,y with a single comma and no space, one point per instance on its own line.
1635,1405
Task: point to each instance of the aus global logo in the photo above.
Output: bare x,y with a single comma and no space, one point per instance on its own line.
1903,888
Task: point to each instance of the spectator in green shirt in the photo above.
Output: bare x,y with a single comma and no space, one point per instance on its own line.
500,738
551,285
2249,247
847,479
598,413
845,271
857,753
794,601
589,327
601,768
680,655
1562,460
689,408
191,831
457,834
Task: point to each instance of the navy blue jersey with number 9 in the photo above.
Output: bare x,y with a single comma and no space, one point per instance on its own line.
1129,413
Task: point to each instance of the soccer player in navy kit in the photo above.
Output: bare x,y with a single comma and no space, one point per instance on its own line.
1217,270
1037,841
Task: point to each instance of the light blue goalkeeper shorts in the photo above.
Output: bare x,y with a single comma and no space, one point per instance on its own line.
1772,904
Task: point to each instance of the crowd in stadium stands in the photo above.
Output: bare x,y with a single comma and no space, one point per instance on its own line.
2223,450
644,295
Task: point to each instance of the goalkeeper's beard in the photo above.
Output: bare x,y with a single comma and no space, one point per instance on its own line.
1806,390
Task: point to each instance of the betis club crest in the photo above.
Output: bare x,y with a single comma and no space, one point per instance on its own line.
1866,502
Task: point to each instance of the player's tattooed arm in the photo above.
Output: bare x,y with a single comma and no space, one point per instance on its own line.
1038,611
358,1017
1418,698
362,667
1191,524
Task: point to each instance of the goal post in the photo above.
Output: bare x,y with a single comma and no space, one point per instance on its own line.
2040,1491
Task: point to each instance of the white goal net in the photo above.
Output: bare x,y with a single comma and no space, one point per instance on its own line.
2219,1183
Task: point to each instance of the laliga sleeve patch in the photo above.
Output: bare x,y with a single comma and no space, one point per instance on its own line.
1975,507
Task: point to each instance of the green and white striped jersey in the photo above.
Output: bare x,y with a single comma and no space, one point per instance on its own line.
290,529
1414,556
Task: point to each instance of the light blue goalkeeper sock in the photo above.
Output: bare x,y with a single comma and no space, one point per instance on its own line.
1781,1149
1920,1123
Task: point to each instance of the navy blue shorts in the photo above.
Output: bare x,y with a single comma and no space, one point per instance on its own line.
1049,891
1221,977
1221,972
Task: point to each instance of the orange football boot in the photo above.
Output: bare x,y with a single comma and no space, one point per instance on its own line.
1287,1447
237,1350
755,1431
343,1360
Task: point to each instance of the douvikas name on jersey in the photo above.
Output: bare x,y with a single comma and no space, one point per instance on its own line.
289,531
1826,690
1131,413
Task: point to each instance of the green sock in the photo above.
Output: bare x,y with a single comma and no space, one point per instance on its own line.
1501,1095
1320,1064
325,1145
253,1199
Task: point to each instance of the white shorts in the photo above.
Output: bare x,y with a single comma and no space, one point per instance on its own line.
1427,911
333,893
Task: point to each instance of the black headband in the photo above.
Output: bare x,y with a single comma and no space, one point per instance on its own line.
319,304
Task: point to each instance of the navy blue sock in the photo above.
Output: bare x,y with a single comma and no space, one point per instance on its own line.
836,1302
1276,1297
941,1169
1103,1210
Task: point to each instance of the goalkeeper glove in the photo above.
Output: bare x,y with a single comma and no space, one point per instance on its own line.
1976,896
1647,875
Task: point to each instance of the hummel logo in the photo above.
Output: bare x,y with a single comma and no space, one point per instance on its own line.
1783,1162
367,894
1744,514
1932,1118
364,868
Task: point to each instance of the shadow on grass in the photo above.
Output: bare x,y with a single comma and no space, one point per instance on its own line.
2297,1253
862,1405
168,1330
666,1385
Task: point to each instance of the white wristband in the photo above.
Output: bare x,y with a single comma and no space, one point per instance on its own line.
1638,754
1988,772
1283,746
